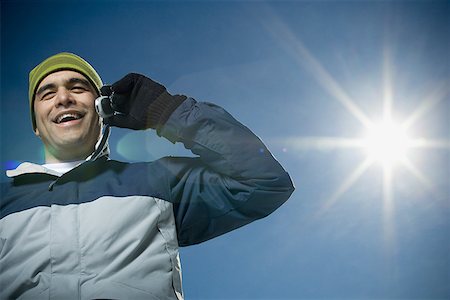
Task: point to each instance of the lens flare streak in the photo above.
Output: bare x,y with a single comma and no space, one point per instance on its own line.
303,56
347,184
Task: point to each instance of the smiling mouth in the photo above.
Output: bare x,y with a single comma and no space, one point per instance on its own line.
67,117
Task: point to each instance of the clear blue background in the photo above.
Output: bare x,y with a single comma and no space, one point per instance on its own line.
260,61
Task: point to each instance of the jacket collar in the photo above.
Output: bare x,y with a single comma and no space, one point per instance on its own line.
27,168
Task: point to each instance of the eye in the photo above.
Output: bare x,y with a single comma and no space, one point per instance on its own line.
47,95
79,89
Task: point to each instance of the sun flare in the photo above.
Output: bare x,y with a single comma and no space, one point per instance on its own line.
391,145
387,143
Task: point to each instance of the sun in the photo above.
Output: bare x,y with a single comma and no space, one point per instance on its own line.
387,143
391,144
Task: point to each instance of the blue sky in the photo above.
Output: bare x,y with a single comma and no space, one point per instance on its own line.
303,75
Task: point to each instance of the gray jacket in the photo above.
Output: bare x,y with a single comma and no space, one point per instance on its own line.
109,229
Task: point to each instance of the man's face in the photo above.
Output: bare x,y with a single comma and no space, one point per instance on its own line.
66,120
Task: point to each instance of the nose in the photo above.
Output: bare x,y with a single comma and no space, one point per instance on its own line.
64,98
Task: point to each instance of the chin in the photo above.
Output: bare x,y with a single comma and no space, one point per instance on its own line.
76,142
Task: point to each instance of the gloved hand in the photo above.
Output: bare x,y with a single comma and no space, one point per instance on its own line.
143,103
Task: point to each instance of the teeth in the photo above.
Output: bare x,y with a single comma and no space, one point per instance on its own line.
68,115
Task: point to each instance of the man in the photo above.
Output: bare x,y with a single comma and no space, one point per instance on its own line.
84,226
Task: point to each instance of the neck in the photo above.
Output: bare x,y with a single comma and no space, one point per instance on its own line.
51,158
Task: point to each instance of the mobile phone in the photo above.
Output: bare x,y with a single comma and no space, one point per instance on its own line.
103,104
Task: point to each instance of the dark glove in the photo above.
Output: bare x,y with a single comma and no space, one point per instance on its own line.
142,103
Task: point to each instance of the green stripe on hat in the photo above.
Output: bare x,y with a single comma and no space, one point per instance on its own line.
59,62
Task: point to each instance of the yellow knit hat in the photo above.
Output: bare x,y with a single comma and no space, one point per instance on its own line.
59,62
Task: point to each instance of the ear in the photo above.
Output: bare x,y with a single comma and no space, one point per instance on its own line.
36,132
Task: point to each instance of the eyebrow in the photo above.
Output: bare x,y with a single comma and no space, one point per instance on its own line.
73,80
79,80
45,87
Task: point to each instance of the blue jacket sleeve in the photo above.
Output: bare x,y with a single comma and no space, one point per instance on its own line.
233,181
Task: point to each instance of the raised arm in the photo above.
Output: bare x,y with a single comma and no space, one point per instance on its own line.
233,181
